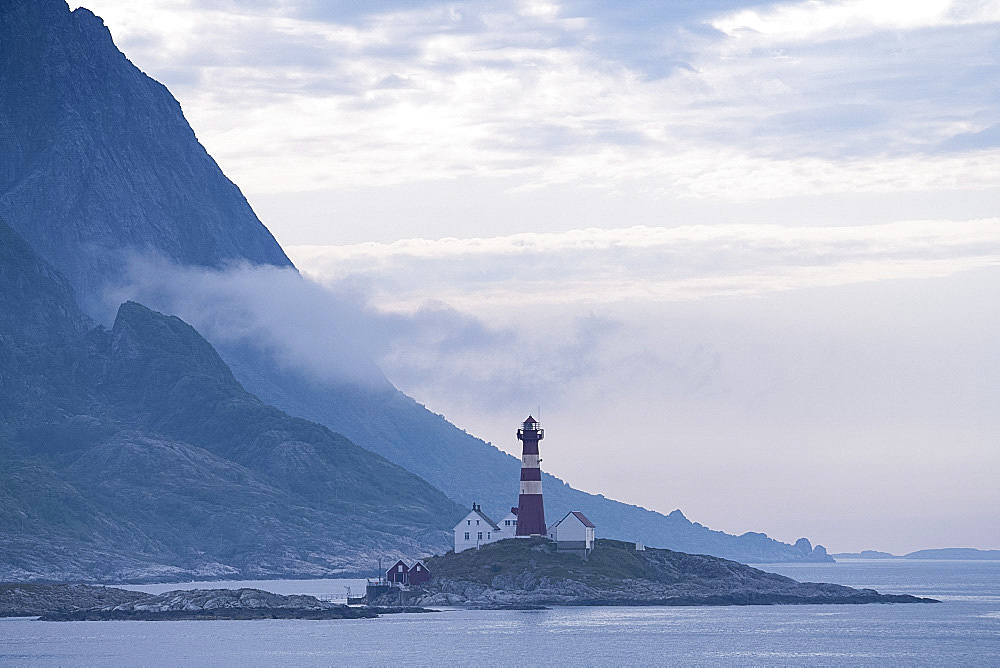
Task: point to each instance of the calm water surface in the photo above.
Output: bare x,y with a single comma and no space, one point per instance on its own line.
963,630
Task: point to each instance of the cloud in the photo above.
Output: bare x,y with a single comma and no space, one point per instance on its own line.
721,100
840,19
965,141
646,264
323,333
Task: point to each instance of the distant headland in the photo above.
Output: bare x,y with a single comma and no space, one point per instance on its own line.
944,553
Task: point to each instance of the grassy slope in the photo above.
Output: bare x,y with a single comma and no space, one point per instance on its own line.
610,561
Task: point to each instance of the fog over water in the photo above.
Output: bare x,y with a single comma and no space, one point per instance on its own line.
744,255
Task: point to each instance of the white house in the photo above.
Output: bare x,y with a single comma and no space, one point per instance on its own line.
573,533
476,529
508,525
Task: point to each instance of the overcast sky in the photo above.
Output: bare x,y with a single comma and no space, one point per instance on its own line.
745,256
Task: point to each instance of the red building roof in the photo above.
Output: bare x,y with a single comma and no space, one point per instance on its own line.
583,518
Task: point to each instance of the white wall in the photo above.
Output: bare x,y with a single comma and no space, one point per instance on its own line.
508,526
479,531
571,528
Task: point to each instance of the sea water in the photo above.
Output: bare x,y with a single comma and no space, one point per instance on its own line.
962,630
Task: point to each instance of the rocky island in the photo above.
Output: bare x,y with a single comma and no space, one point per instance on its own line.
531,572
89,603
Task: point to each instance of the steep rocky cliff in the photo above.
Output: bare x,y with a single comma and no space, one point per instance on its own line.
133,453
97,160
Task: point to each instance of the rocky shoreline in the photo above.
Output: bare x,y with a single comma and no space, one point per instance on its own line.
518,574
530,572
544,593
32,600
91,603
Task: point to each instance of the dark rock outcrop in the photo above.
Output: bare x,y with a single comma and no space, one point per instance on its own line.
207,602
31,600
87,603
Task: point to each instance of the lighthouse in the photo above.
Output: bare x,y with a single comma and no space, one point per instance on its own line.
530,511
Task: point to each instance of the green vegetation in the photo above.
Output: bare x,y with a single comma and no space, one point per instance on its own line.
518,572
610,560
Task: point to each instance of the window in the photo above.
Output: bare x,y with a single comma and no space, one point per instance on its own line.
400,570
469,522
480,535
477,522
466,535
506,523
515,522
488,534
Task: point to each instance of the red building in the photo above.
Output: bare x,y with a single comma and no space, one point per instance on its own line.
419,574
398,573
402,574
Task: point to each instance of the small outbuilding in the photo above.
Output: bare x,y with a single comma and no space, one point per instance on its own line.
573,533
418,574
402,574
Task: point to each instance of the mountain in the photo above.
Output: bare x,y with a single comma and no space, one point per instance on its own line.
954,553
383,419
133,453
864,554
944,553
97,162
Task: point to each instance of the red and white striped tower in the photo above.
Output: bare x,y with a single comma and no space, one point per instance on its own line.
530,510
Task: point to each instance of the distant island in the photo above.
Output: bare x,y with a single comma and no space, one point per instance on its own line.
532,572
944,553
64,603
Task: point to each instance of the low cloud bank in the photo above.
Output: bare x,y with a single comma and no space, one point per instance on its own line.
650,264
323,333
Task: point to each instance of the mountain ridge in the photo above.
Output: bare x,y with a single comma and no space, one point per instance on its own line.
87,177
99,163
944,553
134,454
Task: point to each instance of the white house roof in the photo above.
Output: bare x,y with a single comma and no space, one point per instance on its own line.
476,512
576,514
